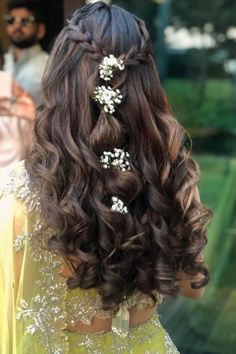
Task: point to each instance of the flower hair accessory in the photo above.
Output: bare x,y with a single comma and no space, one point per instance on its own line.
118,206
108,64
118,159
107,97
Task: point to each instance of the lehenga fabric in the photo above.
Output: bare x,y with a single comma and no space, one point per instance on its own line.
35,304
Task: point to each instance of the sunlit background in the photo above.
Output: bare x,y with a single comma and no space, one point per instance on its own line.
195,49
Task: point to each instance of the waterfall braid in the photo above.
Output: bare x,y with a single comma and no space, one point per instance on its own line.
164,230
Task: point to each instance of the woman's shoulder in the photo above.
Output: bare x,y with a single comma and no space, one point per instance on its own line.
16,184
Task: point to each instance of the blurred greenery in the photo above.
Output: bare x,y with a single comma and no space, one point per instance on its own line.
214,172
211,121
216,112
191,13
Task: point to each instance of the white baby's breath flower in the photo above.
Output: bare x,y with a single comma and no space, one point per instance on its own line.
118,158
118,206
108,64
107,97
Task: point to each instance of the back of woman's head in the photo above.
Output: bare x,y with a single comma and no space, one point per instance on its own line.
160,226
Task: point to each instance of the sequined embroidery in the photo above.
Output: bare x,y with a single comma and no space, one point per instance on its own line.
17,183
83,305
19,242
169,346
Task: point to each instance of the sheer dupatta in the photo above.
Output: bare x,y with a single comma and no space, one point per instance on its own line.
32,293
12,278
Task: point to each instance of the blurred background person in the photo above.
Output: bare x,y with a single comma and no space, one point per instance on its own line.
17,113
25,60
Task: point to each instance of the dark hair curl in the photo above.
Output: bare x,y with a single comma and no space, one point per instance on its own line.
164,229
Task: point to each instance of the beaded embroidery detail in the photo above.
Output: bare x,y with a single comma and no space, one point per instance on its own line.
19,242
83,305
146,335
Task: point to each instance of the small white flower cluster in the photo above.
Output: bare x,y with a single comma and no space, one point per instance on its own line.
118,206
119,159
107,65
107,97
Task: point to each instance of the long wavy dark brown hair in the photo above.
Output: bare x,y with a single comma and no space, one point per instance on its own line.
164,229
